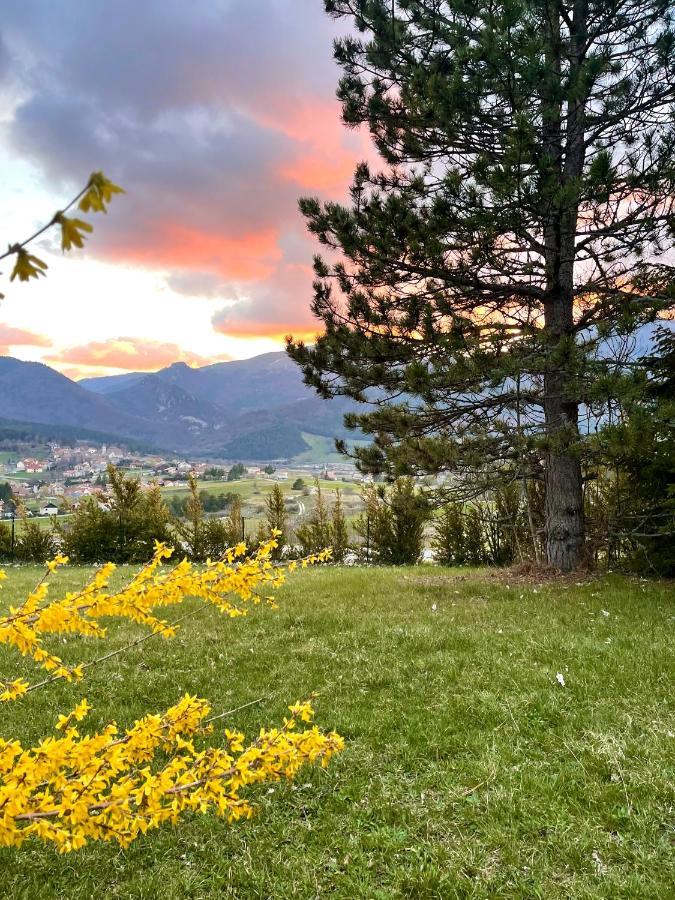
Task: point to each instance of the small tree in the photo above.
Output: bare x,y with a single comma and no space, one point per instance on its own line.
316,533
6,493
237,471
234,523
632,497
276,519
394,520
5,540
339,529
192,533
34,544
448,536
298,484
122,526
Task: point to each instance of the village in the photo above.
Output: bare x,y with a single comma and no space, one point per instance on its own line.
54,479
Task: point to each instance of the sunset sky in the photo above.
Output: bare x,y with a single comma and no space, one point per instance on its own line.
215,116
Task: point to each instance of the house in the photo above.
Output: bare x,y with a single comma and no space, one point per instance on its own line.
32,465
49,509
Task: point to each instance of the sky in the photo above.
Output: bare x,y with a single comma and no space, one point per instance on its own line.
215,116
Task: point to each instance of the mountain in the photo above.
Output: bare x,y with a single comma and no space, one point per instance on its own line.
109,384
252,409
32,392
238,386
153,398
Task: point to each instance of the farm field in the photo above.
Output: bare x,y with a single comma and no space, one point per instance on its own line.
470,769
254,493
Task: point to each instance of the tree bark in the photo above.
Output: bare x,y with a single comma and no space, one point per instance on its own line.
564,514
565,531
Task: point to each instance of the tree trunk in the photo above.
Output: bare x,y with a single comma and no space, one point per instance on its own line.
564,511
565,531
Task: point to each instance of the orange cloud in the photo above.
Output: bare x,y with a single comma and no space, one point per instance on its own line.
125,353
326,152
320,171
243,258
301,120
250,328
19,337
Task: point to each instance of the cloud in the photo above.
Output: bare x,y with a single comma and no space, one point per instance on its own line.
198,284
195,112
273,309
20,337
249,328
127,353
213,115
241,258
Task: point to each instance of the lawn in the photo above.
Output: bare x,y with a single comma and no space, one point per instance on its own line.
470,771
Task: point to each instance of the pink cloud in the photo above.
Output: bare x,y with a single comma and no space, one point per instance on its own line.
274,308
19,337
214,118
126,353
172,245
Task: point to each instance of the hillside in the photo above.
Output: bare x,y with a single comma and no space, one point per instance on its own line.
252,409
33,392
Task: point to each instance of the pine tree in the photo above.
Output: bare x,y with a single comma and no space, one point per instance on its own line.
192,533
393,521
316,533
276,518
339,529
448,536
516,231
234,523
638,502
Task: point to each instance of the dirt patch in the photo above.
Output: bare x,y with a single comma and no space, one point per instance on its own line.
523,573
439,580
540,573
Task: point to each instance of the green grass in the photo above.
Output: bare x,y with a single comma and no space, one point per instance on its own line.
249,488
322,450
254,492
469,771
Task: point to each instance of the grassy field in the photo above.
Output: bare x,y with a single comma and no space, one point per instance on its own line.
321,450
249,488
470,771
254,492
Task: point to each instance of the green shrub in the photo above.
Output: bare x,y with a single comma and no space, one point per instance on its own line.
35,544
394,521
122,526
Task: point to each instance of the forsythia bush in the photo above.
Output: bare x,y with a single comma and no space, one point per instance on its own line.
113,784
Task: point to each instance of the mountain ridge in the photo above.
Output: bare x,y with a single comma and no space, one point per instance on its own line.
255,409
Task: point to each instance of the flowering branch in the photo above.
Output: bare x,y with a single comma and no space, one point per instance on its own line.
94,197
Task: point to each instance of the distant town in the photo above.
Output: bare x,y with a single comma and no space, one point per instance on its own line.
53,481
